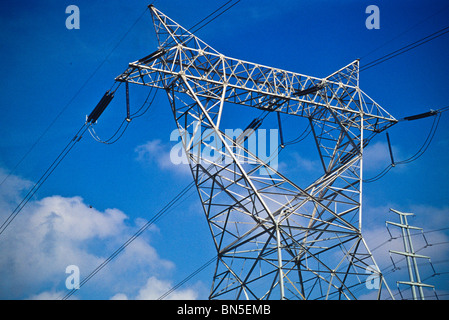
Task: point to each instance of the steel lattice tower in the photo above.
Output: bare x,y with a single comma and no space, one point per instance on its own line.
274,239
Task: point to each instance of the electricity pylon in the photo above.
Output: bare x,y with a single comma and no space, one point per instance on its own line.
274,239
414,282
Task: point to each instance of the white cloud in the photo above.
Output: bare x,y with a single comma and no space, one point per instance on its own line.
54,232
155,288
305,164
119,296
76,221
10,191
433,244
376,156
164,156
47,295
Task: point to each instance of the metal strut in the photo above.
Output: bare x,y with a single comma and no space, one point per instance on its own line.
128,116
274,239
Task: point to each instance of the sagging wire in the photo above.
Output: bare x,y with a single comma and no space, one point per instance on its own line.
421,150
167,208
125,123
108,141
90,120
301,137
52,123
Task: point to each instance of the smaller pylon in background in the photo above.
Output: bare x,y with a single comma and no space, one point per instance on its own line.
410,256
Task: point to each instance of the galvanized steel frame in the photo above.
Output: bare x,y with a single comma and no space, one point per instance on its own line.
274,239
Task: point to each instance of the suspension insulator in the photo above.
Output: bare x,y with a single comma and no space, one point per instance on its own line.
101,106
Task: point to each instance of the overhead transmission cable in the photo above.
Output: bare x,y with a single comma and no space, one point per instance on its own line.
190,276
418,153
438,12
211,14
192,31
52,123
406,48
108,141
168,206
126,121
436,113
92,118
43,178
219,14
136,115
157,216
149,223
300,138
87,126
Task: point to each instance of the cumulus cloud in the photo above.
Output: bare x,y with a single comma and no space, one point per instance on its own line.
166,157
47,295
155,288
55,232
376,156
10,191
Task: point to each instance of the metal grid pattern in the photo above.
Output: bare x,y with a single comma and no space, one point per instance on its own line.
274,239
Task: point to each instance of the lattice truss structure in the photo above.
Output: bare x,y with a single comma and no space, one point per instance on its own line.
274,239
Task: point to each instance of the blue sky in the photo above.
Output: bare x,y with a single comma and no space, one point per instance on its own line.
101,194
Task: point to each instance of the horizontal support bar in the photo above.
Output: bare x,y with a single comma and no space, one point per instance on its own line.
409,254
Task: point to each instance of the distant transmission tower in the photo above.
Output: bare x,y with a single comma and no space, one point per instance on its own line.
409,253
274,239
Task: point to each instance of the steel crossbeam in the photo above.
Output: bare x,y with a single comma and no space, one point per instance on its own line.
274,239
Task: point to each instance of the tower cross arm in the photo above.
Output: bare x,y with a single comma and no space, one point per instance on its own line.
259,86
183,54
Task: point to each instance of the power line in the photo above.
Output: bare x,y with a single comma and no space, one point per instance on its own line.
149,223
217,15
125,121
418,153
190,276
439,11
192,32
414,234
44,177
108,141
209,15
136,115
86,126
73,98
301,137
404,49
162,211
155,218
92,118
413,158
